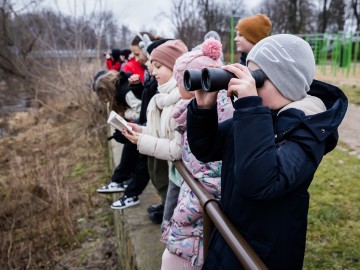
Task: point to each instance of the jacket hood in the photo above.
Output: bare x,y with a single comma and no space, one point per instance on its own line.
324,125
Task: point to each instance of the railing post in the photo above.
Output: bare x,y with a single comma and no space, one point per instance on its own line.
208,227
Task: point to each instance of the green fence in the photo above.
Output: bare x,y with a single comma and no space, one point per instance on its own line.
339,51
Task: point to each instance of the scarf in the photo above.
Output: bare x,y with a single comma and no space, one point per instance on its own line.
310,105
180,115
162,103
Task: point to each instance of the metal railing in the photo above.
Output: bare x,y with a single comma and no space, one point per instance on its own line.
213,215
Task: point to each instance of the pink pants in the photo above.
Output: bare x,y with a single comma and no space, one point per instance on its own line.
173,262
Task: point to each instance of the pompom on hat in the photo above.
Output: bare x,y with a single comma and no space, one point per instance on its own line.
254,28
288,61
168,52
209,55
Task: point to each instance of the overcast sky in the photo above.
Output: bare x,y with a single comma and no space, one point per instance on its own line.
134,13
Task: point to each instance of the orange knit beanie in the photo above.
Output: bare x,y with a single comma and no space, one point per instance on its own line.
254,28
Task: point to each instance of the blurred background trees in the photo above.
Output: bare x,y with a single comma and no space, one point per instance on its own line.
30,31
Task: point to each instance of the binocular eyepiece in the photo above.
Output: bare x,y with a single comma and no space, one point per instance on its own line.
215,79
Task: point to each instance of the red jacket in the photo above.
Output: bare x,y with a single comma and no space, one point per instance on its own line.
135,67
113,65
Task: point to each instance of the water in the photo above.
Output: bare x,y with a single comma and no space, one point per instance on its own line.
10,102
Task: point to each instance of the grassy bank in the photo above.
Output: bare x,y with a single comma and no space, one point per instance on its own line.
52,159
334,218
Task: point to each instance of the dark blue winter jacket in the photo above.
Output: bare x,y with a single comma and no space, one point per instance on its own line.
269,161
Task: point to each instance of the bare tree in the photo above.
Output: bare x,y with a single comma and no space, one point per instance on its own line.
193,19
336,20
297,15
324,16
10,51
331,16
186,20
354,12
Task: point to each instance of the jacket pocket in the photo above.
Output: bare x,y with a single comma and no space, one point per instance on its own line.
261,248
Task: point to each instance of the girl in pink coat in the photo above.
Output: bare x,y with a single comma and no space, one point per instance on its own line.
184,233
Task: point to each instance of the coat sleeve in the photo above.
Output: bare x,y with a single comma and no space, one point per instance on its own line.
134,104
160,148
113,66
137,89
264,170
206,138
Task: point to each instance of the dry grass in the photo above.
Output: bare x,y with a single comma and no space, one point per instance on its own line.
49,166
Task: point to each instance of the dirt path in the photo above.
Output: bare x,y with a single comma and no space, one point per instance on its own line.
349,130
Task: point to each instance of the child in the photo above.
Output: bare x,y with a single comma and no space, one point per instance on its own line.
158,169
158,137
142,171
124,57
135,65
113,87
113,61
270,149
184,234
123,172
249,31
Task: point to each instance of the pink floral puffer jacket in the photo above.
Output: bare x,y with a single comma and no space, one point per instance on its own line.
184,233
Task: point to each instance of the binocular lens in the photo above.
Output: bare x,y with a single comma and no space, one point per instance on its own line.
215,79
192,80
206,79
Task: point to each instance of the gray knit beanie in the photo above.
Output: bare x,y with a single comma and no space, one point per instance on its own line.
288,62
212,34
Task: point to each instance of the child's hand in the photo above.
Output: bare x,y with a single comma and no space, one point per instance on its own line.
135,127
134,79
132,138
205,100
244,84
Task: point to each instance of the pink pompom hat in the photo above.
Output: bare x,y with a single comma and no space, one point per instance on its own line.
208,55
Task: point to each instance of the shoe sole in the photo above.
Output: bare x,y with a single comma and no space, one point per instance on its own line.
110,191
125,206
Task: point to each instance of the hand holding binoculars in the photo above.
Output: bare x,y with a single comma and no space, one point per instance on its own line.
215,79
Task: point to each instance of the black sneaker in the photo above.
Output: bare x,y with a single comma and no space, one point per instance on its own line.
155,208
113,187
125,202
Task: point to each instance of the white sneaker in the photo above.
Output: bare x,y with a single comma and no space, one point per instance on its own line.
113,187
125,202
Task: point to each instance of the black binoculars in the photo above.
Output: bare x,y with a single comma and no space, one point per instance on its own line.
215,79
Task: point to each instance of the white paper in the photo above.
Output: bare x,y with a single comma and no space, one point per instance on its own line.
118,122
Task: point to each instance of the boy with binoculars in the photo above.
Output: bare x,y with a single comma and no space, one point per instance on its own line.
270,149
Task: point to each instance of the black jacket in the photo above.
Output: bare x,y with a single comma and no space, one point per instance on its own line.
242,59
269,161
148,90
122,88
